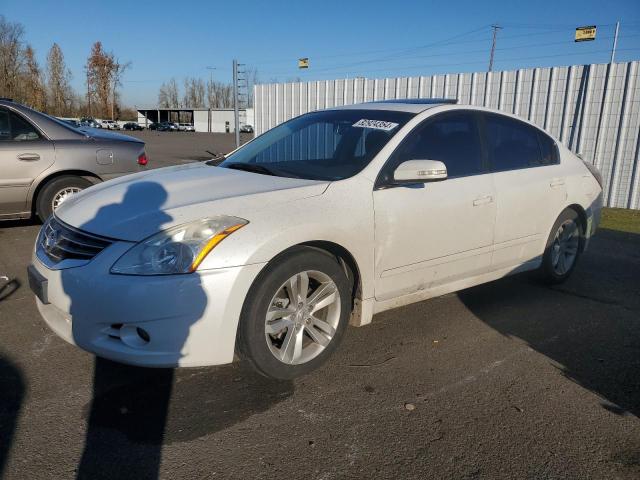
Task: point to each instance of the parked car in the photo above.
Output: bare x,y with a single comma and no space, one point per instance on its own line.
246,128
167,127
45,161
154,126
295,235
186,127
90,122
110,125
132,126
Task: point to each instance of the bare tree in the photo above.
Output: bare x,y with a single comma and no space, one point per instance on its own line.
194,93
219,95
168,96
11,58
58,77
100,67
34,93
252,80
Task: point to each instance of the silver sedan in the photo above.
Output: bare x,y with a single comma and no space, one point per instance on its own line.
45,161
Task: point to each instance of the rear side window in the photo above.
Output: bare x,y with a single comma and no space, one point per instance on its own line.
15,128
5,127
511,144
451,138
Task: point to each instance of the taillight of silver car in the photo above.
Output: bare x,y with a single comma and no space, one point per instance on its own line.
594,171
142,159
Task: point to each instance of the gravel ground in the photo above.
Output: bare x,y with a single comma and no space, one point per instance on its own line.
507,380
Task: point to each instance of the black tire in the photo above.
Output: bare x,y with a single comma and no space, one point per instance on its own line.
251,338
548,272
44,202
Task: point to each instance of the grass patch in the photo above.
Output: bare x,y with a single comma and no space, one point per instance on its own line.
621,219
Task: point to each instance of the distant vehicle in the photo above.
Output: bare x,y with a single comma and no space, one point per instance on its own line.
45,161
132,126
110,125
153,126
186,127
168,127
90,122
246,128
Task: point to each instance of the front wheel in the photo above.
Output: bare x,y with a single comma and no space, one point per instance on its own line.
56,192
295,314
563,248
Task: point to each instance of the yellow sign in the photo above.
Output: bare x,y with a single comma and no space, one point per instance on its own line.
585,34
303,63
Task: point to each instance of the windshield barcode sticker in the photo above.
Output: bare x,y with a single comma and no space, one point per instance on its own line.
377,124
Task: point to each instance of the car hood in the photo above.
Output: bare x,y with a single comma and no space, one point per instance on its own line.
100,134
136,206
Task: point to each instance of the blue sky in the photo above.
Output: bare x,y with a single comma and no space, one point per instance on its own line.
348,38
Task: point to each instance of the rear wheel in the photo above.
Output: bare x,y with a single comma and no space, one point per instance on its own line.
563,248
295,314
56,192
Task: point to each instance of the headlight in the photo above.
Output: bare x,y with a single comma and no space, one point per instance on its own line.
179,249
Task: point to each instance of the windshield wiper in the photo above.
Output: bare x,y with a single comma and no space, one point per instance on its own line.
251,167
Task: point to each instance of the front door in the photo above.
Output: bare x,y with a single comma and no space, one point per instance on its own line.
24,154
431,234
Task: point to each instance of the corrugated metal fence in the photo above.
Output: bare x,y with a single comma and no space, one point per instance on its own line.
593,109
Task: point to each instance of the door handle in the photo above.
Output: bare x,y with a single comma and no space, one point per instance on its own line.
28,157
482,200
556,182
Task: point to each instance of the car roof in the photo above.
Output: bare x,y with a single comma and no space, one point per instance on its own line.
52,128
412,105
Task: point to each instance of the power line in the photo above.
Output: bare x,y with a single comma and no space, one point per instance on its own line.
513,59
442,54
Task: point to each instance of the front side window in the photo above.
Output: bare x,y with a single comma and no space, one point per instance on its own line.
451,138
511,144
328,145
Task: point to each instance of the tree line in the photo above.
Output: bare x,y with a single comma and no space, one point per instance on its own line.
197,93
49,89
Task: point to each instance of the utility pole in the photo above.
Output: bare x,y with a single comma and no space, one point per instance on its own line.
236,111
493,44
615,43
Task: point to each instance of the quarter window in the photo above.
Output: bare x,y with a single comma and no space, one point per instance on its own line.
511,144
450,138
548,149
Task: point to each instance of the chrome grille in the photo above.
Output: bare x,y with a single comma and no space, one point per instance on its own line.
61,242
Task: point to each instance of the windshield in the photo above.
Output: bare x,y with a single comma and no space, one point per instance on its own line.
327,145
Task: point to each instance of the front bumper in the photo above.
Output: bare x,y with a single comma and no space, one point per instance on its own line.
189,320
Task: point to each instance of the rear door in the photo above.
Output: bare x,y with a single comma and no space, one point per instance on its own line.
24,154
432,234
529,185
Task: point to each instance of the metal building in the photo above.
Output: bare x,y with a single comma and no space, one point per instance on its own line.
593,109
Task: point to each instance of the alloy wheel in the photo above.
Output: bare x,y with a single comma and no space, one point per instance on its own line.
564,249
302,317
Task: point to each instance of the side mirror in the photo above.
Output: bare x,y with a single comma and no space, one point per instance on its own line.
420,171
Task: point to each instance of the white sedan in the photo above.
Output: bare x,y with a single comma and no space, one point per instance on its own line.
322,221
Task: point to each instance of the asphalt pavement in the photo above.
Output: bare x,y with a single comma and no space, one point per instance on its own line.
511,379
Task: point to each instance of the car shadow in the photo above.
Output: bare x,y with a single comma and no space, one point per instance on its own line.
135,411
12,391
589,326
